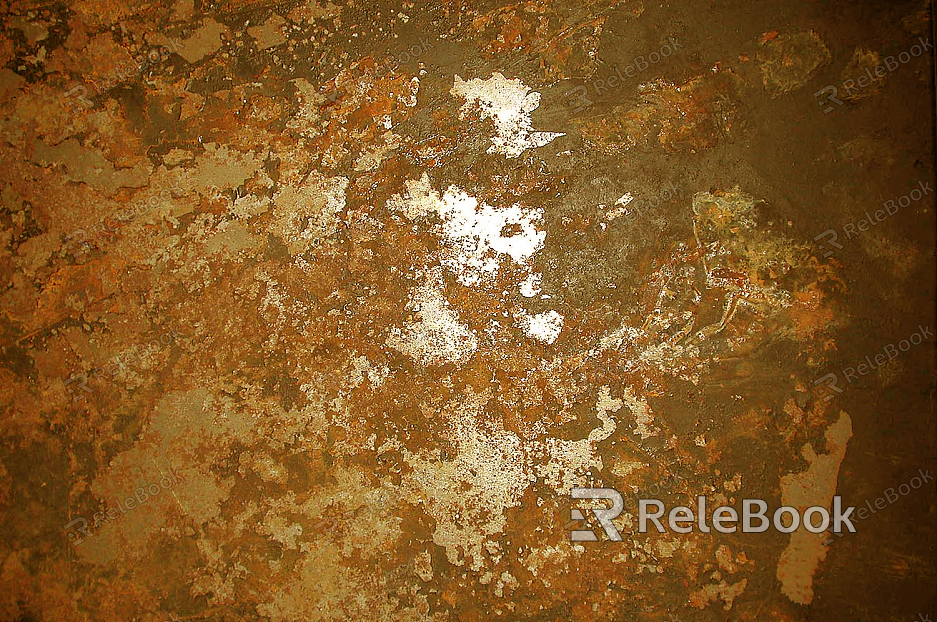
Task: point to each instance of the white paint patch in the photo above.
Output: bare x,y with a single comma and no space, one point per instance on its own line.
545,327
476,238
619,211
530,287
410,101
509,104
438,337
643,416
419,200
474,233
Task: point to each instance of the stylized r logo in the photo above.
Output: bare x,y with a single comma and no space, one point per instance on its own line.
831,234
580,101
831,92
830,380
604,516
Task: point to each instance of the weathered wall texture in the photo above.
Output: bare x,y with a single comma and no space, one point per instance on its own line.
317,311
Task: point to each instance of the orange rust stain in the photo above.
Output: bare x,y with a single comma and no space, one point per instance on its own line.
770,35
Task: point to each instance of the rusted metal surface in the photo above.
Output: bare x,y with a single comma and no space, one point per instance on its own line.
317,311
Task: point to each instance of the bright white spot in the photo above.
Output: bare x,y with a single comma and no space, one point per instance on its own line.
544,326
509,103
410,102
531,285
475,234
438,337
419,200
623,201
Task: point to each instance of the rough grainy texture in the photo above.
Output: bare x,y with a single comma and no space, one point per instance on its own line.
318,311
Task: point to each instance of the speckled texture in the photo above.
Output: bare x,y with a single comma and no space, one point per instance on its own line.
349,296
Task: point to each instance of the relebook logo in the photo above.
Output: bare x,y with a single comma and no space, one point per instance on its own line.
682,519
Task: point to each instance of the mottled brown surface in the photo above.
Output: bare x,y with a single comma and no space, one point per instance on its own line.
401,306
